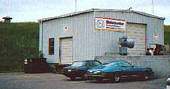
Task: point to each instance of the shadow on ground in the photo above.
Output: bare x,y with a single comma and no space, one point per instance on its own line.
122,81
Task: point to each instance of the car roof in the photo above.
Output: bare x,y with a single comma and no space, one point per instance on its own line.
85,60
109,61
117,61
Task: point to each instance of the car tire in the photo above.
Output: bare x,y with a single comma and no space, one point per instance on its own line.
99,80
146,77
116,77
72,78
84,77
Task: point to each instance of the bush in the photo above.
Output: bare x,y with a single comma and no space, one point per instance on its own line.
17,42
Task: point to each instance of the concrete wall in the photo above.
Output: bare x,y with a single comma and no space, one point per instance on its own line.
159,64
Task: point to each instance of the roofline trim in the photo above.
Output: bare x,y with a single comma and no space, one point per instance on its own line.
100,10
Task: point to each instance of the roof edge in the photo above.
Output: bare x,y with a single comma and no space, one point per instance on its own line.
128,10
66,15
98,10
149,15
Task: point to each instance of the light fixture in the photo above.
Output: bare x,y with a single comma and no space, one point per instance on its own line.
156,36
65,28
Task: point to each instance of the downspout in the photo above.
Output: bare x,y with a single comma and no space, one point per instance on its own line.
42,36
94,26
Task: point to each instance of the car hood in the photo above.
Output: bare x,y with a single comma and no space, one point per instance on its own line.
76,67
105,68
142,68
117,68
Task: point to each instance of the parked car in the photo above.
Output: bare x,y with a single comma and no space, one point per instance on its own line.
118,69
79,69
168,83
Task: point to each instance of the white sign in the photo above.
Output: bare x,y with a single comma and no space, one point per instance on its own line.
110,24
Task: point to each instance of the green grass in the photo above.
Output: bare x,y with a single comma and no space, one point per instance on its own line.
167,34
17,41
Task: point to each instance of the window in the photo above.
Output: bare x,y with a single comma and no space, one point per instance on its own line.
126,64
77,64
51,46
90,63
113,64
96,63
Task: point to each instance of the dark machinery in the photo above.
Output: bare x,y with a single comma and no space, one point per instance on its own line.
125,43
36,65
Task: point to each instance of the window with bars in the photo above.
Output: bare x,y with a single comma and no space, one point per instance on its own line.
51,46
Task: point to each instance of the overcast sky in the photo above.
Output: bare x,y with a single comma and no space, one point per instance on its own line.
32,10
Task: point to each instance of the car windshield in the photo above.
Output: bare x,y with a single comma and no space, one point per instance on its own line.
113,64
107,62
80,63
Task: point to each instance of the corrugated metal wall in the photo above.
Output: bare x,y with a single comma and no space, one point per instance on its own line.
88,42
154,25
80,27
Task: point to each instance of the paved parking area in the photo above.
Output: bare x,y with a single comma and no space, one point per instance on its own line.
57,81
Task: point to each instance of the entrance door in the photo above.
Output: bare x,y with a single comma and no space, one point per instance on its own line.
66,46
137,33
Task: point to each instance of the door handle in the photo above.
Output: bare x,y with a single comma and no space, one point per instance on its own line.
123,69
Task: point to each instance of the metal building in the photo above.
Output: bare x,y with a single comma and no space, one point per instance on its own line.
66,38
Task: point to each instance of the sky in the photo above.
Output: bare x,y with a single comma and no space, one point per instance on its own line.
32,10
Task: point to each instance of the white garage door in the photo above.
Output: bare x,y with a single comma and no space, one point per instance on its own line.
66,51
137,33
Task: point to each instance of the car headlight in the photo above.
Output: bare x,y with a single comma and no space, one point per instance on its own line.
90,71
97,72
26,61
168,82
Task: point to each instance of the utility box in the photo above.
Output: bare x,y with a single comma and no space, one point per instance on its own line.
36,65
125,42
123,50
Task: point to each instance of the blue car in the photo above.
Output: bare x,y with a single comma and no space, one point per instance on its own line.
118,69
79,69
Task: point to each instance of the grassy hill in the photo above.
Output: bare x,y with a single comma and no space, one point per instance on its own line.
167,34
17,41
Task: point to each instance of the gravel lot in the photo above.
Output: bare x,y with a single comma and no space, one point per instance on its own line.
57,81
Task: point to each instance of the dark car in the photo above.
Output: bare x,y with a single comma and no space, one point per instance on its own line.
118,69
79,68
168,83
